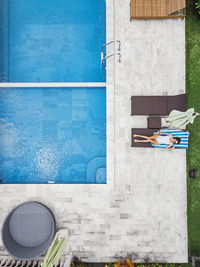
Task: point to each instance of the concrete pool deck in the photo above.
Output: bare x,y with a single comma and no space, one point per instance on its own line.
141,212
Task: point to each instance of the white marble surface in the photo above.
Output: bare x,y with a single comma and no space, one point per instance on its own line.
141,212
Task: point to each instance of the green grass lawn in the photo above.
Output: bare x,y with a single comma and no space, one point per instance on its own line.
193,153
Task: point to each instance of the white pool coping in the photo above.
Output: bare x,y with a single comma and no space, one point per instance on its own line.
55,84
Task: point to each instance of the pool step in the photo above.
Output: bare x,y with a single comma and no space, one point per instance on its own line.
96,171
101,175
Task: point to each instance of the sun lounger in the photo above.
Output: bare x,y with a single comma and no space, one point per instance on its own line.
184,135
157,105
157,9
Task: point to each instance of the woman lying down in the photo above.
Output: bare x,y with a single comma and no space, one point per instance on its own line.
160,138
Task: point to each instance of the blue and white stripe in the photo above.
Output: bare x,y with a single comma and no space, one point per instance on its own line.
184,135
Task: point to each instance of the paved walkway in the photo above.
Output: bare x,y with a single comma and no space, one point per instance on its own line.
141,213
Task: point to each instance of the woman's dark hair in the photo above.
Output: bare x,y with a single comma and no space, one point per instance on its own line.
178,139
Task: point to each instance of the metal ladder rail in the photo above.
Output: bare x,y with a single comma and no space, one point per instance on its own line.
116,41
105,58
102,50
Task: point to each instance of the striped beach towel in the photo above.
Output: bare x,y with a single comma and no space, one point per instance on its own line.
184,135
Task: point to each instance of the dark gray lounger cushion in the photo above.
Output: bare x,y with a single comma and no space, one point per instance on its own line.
149,105
178,102
157,105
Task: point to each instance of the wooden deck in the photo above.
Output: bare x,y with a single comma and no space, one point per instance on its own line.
157,9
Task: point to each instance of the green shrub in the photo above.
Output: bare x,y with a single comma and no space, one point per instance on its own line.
129,263
79,264
198,6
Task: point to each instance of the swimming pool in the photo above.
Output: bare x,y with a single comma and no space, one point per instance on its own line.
52,40
52,135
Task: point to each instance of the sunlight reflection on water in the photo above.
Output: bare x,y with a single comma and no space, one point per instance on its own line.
47,162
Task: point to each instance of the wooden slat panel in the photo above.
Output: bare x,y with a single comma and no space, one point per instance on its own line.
175,5
169,6
147,8
155,8
140,7
163,8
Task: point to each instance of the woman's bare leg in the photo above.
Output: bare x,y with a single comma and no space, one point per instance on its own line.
142,136
154,137
142,141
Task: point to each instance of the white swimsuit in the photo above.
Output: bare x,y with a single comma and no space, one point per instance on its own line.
163,140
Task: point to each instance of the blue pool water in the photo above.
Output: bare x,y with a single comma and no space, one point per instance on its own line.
53,134
52,40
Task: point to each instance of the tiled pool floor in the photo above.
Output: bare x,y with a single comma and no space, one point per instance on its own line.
51,134
52,40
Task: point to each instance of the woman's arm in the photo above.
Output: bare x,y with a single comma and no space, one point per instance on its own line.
170,147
